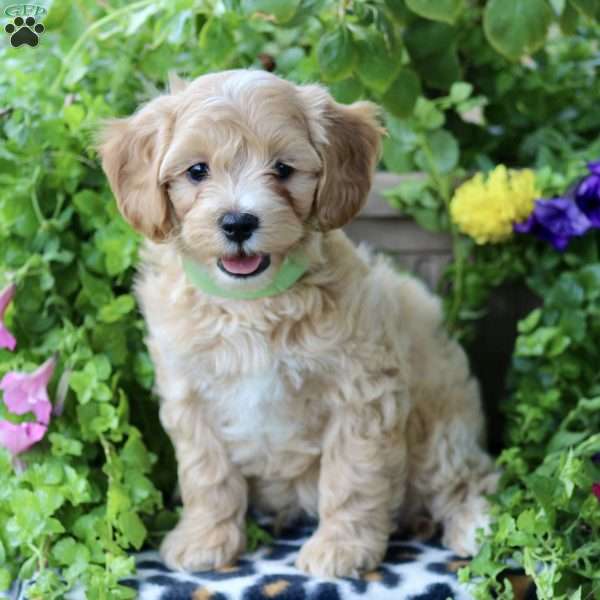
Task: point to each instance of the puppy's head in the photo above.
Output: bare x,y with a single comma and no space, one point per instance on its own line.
238,166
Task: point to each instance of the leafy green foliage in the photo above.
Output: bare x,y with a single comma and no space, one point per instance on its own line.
336,53
547,517
96,487
517,26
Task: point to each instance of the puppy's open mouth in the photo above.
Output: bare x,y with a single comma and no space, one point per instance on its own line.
242,265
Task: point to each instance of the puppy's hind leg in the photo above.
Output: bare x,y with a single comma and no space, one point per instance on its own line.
453,475
459,501
450,471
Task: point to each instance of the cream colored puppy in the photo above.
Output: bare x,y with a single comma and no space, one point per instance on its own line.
295,371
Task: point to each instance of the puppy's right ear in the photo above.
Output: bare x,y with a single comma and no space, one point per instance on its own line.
131,151
348,140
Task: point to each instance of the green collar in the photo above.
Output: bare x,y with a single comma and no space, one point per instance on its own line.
292,268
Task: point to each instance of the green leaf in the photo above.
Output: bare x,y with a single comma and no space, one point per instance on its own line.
409,190
74,115
437,10
347,91
119,252
532,320
516,27
569,20
256,535
117,309
217,41
536,343
65,550
336,54
399,10
589,278
460,91
428,115
567,292
440,38
135,454
140,17
282,11
5,579
99,366
588,8
98,291
401,97
63,446
28,568
377,66
437,60
132,528
397,158
111,339
82,383
117,502
289,59
443,151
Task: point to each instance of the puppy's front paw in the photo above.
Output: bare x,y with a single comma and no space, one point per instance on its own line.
190,548
328,555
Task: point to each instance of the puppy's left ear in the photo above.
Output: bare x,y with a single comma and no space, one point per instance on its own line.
347,137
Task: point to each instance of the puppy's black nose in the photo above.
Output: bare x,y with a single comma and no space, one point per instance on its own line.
238,227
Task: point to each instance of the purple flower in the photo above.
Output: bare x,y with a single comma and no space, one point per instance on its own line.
587,194
7,340
17,438
26,392
555,220
596,490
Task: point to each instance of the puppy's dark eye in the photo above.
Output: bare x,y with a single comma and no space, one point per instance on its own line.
282,170
198,172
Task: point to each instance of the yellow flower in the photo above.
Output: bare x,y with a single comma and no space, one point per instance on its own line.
487,208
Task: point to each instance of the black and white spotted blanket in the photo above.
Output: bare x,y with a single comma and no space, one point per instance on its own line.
411,570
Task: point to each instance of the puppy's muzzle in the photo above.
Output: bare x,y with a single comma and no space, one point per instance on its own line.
238,227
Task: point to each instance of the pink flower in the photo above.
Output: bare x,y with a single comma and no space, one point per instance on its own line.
7,339
17,438
26,392
596,490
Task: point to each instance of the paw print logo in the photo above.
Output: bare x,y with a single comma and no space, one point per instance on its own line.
24,32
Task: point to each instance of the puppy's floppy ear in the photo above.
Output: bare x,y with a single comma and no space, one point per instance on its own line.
348,141
131,151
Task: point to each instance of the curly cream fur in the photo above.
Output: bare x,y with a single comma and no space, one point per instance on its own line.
342,397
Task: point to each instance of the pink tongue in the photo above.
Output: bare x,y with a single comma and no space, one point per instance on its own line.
241,265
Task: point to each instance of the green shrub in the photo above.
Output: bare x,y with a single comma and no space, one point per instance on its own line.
444,71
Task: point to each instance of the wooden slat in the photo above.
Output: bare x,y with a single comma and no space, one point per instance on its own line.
397,234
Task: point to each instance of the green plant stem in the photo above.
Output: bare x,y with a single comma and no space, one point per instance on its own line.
107,453
89,31
58,207
36,208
